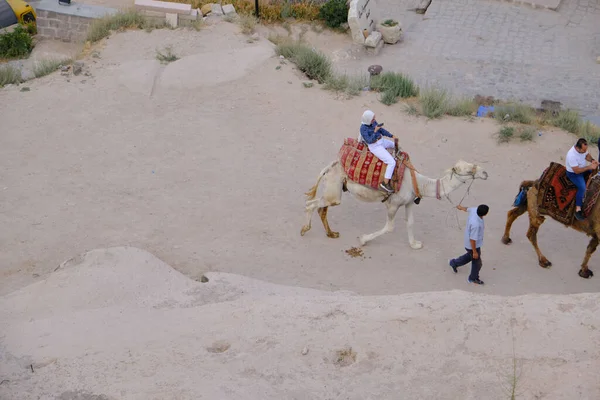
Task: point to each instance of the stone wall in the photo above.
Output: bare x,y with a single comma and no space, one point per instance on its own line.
66,23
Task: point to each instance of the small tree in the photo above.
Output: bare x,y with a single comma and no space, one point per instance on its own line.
334,13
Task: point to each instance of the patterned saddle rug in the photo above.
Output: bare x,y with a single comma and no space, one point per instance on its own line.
558,194
364,168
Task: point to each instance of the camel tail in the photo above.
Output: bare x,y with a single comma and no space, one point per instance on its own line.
312,192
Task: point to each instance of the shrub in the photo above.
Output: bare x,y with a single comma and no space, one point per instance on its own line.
514,112
166,57
461,107
102,27
313,63
334,13
389,22
590,132
46,67
506,134
9,75
434,102
351,85
411,109
17,43
568,120
247,23
527,134
393,85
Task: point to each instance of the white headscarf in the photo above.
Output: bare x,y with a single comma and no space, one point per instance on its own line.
367,117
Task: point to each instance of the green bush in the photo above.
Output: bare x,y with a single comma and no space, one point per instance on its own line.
393,85
434,102
313,63
17,43
334,13
568,120
9,75
514,112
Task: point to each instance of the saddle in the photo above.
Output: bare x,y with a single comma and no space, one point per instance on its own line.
557,194
363,167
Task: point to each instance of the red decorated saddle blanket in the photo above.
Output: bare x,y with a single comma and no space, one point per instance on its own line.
557,194
363,167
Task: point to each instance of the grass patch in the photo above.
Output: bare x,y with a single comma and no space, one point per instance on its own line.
102,27
567,120
393,85
527,134
514,112
247,23
313,63
461,107
506,134
350,85
166,57
46,67
9,75
411,110
589,131
434,102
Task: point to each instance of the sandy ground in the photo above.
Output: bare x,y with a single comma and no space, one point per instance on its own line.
203,163
120,324
211,176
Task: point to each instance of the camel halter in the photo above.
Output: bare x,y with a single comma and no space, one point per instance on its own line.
470,174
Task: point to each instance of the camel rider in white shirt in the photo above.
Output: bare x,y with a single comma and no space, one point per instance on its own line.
578,170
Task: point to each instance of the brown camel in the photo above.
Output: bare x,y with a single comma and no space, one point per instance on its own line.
590,226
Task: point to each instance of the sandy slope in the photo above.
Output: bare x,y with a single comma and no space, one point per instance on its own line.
121,323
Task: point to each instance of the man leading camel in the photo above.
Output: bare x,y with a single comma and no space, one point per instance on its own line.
578,171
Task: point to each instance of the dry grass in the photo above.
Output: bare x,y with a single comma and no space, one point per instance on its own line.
46,67
247,23
129,19
350,85
434,102
461,107
312,62
9,75
167,56
394,85
514,112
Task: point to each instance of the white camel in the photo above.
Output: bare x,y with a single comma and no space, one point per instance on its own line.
335,180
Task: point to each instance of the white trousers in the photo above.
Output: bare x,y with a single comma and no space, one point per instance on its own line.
379,149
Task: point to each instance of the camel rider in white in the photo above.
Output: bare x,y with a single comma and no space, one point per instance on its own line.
379,140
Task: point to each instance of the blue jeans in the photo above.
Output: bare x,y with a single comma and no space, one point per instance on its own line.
468,258
579,181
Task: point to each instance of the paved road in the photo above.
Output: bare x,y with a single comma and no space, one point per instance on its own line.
501,49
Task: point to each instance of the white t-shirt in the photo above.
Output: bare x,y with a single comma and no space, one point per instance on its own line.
575,159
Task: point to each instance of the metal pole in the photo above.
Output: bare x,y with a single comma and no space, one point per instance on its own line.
256,8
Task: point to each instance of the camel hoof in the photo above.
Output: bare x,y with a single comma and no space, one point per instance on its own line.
333,235
362,240
544,263
416,245
587,274
506,240
304,230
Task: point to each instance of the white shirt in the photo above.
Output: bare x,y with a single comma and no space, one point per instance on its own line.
575,159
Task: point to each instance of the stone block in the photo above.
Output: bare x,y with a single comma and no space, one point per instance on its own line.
172,19
42,23
167,7
362,15
374,39
47,32
228,9
215,9
55,23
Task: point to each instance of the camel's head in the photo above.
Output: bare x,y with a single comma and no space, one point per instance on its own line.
469,171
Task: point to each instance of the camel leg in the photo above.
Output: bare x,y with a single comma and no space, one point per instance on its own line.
585,272
535,221
332,196
511,216
410,221
323,214
388,227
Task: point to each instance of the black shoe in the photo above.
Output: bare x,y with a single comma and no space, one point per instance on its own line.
477,281
387,187
579,215
417,200
452,266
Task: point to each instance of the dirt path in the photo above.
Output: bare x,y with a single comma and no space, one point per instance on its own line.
208,173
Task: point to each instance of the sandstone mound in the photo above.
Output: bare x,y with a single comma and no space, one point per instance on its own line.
120,324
